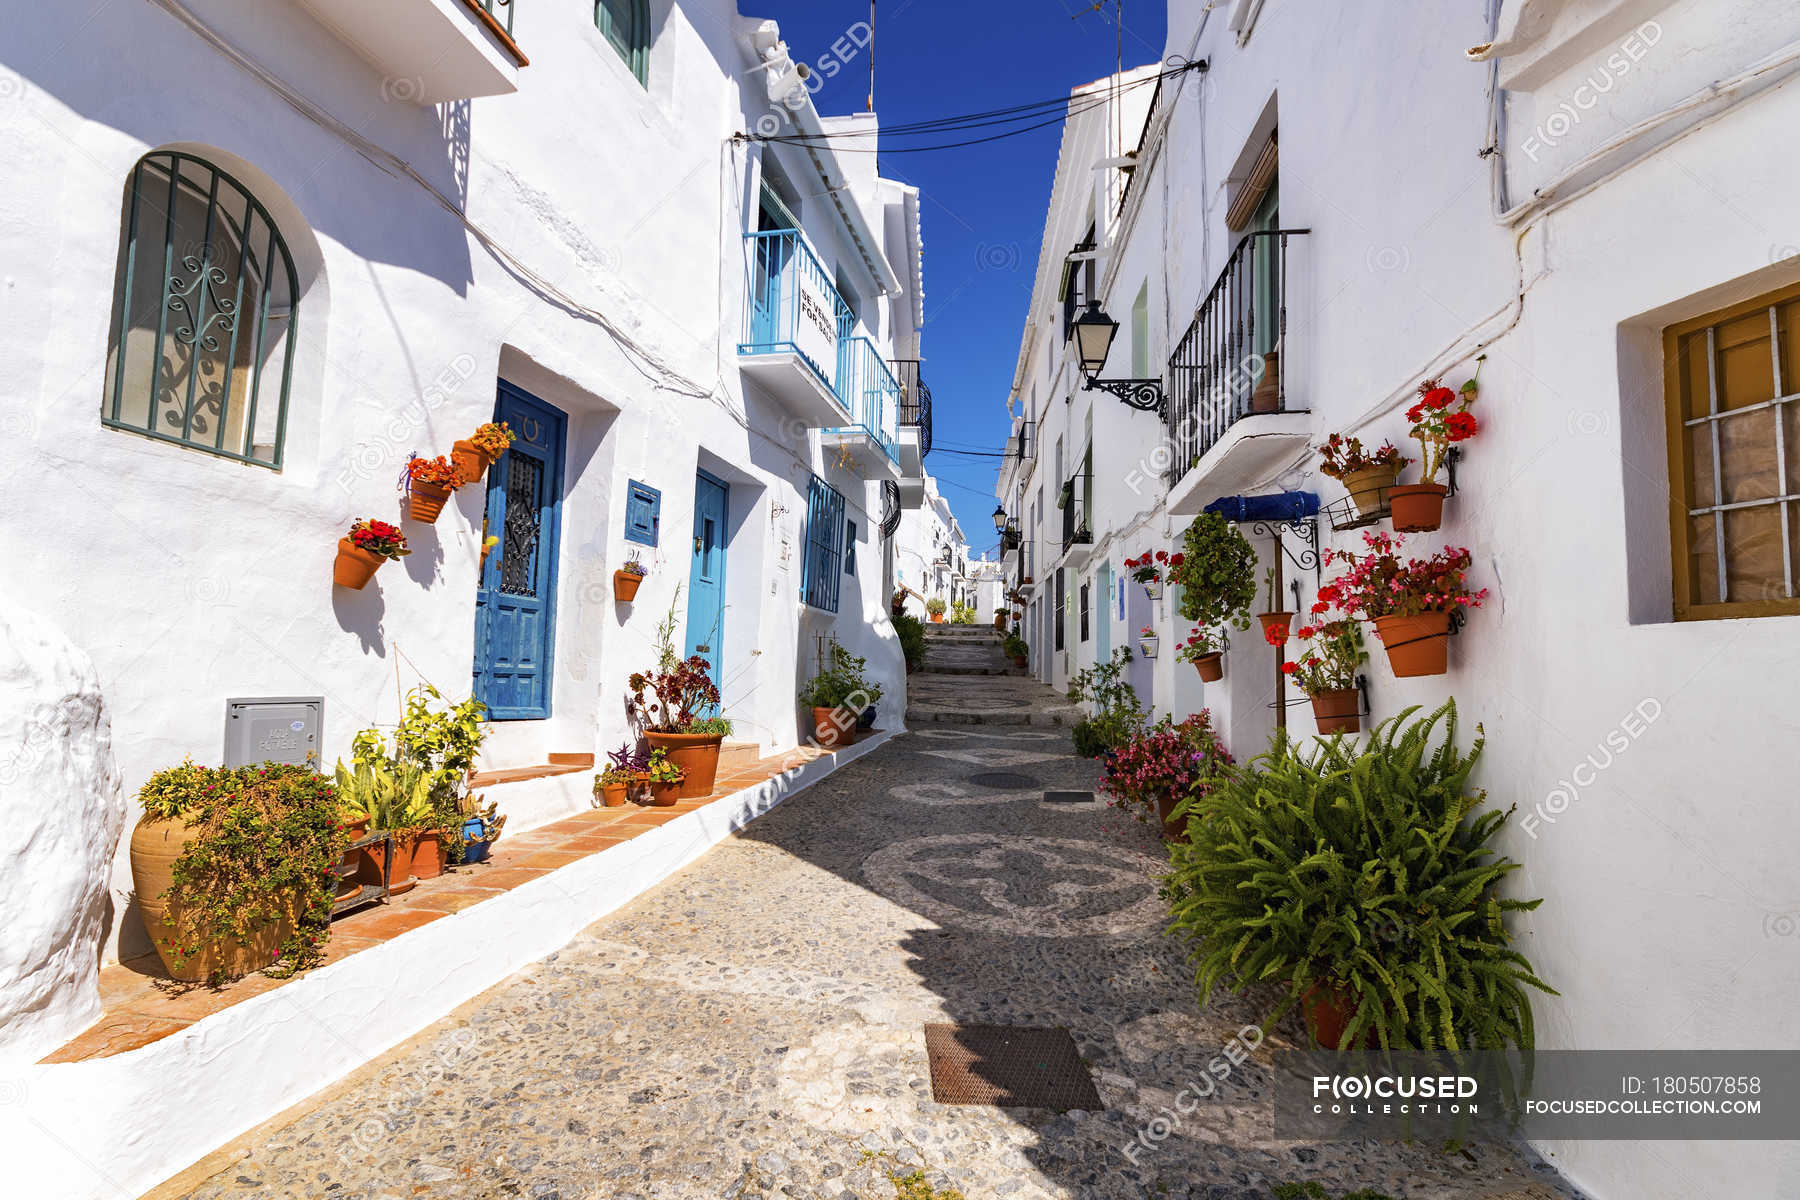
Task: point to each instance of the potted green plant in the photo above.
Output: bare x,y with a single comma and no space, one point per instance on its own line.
665,778
1117,715
441,740
235,867
396,798
1439,419
1151,773
1365,883
1207,656
934,608
676,707
1367,475
837,696
1017,649
369,544
1216,573
628,578
1409,600
911,632
1147,569
481,828
429,482
1326,672
623,769
474,454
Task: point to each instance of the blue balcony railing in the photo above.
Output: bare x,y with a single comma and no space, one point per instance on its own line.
796,309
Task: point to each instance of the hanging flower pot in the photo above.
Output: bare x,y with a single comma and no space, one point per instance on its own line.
429,482
369,544
1275,626
1338,711
471,464
1365,474
1370,487
1211,666
1416,645
625,586
1417,507
425,502
1147,641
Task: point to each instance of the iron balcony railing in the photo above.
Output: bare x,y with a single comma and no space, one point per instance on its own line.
1228,365
1077,529
915,401
795,308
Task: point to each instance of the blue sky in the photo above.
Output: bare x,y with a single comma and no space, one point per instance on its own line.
982,206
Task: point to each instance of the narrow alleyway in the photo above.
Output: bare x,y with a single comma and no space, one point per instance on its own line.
753,1027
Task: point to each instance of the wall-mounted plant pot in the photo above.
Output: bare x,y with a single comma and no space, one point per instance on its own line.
614,795
825,728
1417,507
428,855
625,586
1211,666
475,840
1282,621
1416,645
1338,712
695,753
1148,646
663,795
1369,488
155,845
354,566
425,501
470,462
1153,589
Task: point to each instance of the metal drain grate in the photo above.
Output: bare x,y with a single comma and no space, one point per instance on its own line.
1068,797
1011,1066
1002,779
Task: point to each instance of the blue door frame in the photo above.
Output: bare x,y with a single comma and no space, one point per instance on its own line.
515,604
706,575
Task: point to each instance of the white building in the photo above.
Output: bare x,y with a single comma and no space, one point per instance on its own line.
1596,206
931,555
276,249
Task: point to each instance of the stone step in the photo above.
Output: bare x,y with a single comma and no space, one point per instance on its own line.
1005,716
929,669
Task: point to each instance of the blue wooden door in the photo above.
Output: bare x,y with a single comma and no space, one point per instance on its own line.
706,577
515,606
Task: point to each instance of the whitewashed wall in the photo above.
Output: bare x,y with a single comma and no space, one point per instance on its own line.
189,579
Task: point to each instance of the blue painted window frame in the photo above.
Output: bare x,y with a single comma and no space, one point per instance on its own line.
643,513
820,577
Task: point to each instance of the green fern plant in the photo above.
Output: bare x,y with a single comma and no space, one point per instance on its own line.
1367,871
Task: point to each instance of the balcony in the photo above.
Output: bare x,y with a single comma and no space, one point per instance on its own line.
1077,523
915,429
799,343
431,51
1236,409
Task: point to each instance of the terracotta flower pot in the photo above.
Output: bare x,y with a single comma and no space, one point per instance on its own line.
428,855
1020,661
1417,507
1276,620
400,872
1339,711
1328,1013
625,586
662,795
155,845
825,729
695,753
614,795
639,788
937,618
1416,645
1211,666
425,501
354,566
1174,828
1366,487
470,461
1267,396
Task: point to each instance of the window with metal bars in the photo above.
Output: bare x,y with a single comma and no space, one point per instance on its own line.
201,350
1732,388
822,573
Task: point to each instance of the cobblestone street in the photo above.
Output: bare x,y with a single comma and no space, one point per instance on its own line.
753,1027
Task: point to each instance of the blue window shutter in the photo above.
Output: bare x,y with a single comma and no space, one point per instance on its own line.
643,513
825,530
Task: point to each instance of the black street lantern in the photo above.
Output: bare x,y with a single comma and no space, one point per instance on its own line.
999,518
1094,333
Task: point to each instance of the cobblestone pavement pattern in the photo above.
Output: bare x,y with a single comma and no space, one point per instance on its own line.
752,1027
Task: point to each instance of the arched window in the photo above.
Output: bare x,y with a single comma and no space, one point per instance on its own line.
626,24
202,347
